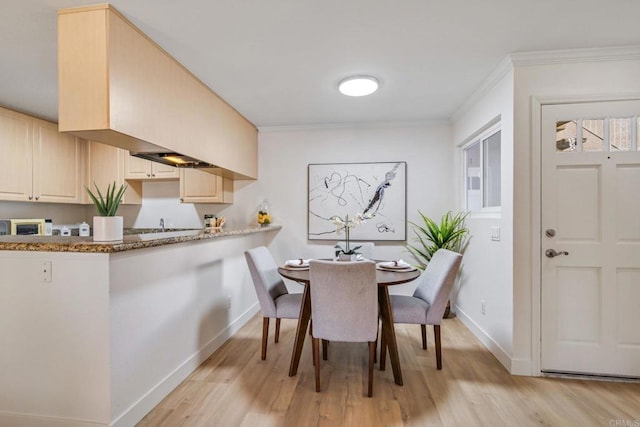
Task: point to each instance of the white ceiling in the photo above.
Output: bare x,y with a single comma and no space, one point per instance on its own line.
278,62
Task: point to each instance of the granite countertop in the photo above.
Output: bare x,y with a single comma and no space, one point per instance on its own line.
133,239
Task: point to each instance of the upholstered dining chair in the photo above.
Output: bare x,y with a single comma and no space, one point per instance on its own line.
344,307
273,296
429,300
366,248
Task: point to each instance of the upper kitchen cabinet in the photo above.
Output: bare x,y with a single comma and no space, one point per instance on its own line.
106,165
39,163
119,87
16,179
197,186
58,164
145,170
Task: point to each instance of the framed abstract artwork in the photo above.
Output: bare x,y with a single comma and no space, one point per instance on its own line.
375,190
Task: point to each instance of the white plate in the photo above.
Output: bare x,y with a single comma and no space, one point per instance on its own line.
397,270
296,267
390,265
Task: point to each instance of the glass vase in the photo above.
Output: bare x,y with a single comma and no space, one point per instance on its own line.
264,213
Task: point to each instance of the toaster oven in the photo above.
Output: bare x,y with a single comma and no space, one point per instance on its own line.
27,226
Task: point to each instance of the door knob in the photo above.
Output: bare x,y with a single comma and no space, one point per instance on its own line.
552,253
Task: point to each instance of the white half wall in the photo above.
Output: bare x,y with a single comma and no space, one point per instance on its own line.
110,335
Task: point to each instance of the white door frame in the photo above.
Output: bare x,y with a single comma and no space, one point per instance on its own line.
536,204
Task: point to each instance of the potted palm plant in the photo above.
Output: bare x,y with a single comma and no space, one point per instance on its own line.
107,227
451,233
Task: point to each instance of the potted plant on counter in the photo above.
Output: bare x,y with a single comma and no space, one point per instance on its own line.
107,227
430,236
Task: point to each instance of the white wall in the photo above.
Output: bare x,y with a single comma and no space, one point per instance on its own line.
285,154
589,79
506,274
487,265
162,200
60,213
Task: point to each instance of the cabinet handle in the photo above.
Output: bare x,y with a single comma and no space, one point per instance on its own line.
37,197
153,175
30,197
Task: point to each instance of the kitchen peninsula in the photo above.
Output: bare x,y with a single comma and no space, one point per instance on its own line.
96,334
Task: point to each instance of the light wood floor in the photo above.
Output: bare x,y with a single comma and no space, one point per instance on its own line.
235,388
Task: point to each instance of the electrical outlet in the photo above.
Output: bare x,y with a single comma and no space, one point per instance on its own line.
483,307
45,271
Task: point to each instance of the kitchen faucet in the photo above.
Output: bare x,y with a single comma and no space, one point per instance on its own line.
161,224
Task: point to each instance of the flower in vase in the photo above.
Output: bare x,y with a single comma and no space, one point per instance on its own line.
264,218
345,225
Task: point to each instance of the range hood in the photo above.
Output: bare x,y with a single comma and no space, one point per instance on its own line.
118,87
175,159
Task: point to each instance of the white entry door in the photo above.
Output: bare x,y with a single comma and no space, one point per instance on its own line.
590,217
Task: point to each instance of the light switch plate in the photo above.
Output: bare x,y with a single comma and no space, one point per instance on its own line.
495,234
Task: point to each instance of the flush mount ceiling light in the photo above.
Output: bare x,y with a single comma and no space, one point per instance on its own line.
358,85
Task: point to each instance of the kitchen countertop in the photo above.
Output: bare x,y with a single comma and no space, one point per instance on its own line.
133,239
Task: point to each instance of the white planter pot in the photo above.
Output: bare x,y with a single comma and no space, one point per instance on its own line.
345,257
107,228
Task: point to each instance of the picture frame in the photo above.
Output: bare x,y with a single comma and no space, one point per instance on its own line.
376,189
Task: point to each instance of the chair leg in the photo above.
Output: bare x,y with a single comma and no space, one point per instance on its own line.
277,329
265,335
372,355
424,336
375,353
383,351
436,332
316,360
325,350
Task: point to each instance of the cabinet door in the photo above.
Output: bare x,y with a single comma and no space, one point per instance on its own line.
160,171
136,168
197,186
58,164
105,165
16,160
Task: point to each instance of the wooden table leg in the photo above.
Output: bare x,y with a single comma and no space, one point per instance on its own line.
389,332
301,331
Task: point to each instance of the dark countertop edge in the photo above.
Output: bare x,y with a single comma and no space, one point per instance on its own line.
129,242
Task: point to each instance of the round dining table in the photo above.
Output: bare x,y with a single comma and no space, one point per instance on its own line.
385,278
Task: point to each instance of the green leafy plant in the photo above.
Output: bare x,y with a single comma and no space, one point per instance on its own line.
451,233
108,204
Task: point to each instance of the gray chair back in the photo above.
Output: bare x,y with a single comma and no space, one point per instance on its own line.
266,279
344,300
366,250
437,282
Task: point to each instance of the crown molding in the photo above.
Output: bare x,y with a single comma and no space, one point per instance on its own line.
359,125
504,67
568,56
565,56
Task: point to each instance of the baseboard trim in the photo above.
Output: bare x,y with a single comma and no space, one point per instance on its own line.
146,403
503,357
28,420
